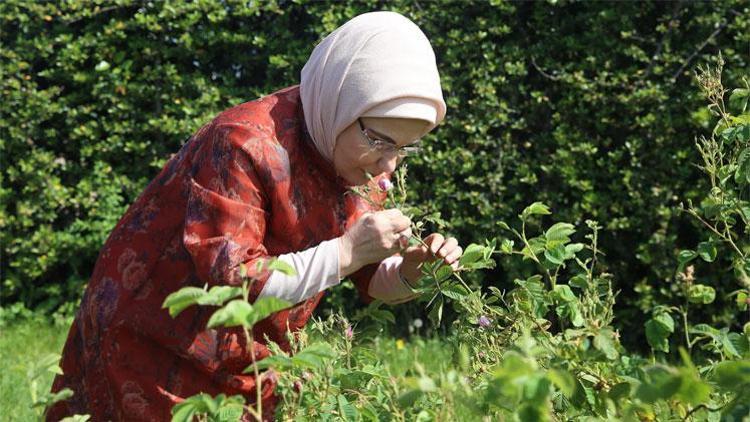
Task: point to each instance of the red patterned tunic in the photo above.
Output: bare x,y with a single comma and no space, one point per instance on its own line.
250,184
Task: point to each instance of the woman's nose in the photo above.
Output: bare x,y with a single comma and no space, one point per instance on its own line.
387,163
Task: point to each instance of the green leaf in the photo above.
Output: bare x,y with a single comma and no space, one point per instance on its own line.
407,399
181,299
684,257
707,251
700,293
559,232
738,100
556,255
537,208
436,313
619,391
102,66
471,254
264,307
455,291
279,362
563,380
503,225
742,174
276,264
443,273
741,300
580,281
572,249
658,330
426,384
693,389
728,346
604,341
705,330
233,314
218,295
563,292
732,375
184,411
346,410
665,321
661,383
314,356
76,418
506,246
61,395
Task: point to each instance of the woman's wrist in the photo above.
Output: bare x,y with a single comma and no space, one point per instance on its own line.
347,261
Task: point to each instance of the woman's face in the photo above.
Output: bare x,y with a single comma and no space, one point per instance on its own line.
353,157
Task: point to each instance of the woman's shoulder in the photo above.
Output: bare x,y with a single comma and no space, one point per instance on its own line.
264,111
258,121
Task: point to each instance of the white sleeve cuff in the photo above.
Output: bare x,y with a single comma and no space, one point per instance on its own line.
387,285
317,269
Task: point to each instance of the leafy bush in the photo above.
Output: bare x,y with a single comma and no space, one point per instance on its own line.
545,350
594,122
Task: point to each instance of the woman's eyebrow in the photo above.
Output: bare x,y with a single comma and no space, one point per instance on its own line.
383,137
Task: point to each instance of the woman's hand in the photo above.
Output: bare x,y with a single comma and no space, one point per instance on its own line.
439,247
374,237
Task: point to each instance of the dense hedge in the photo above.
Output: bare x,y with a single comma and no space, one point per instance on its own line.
587,106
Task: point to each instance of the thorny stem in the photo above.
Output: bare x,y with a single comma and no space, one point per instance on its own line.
684,313
522,237
703,406
258,412
726,238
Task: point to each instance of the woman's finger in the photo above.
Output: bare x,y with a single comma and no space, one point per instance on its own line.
403,238
434,241
448,246
454,255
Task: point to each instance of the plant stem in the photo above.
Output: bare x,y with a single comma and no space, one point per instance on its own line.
721,235
687,333
258,381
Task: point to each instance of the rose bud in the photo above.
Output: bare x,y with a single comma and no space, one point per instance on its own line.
385,185
484,322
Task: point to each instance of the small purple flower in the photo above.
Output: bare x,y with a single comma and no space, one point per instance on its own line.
484,322
385,185
348,332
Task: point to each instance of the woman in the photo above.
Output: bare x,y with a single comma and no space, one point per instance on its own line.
267,178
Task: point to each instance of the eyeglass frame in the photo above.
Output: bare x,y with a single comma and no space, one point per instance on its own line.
384,146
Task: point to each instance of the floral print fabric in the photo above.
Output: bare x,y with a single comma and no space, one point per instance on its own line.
249,185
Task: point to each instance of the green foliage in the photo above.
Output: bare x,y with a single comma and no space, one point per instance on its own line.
214,409
592,123
546,351
29,348
188,296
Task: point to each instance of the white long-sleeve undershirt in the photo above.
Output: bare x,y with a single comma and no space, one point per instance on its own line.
318,268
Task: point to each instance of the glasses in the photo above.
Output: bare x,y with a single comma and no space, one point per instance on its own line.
385,147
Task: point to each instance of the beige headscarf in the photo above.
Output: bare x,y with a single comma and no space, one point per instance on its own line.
378,64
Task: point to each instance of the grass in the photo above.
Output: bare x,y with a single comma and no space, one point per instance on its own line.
25,342
22,344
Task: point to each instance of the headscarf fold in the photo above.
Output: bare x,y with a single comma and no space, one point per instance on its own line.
378,64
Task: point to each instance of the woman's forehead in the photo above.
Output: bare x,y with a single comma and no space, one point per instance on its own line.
402,131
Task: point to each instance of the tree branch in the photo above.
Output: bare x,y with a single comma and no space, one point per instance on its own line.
703,45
